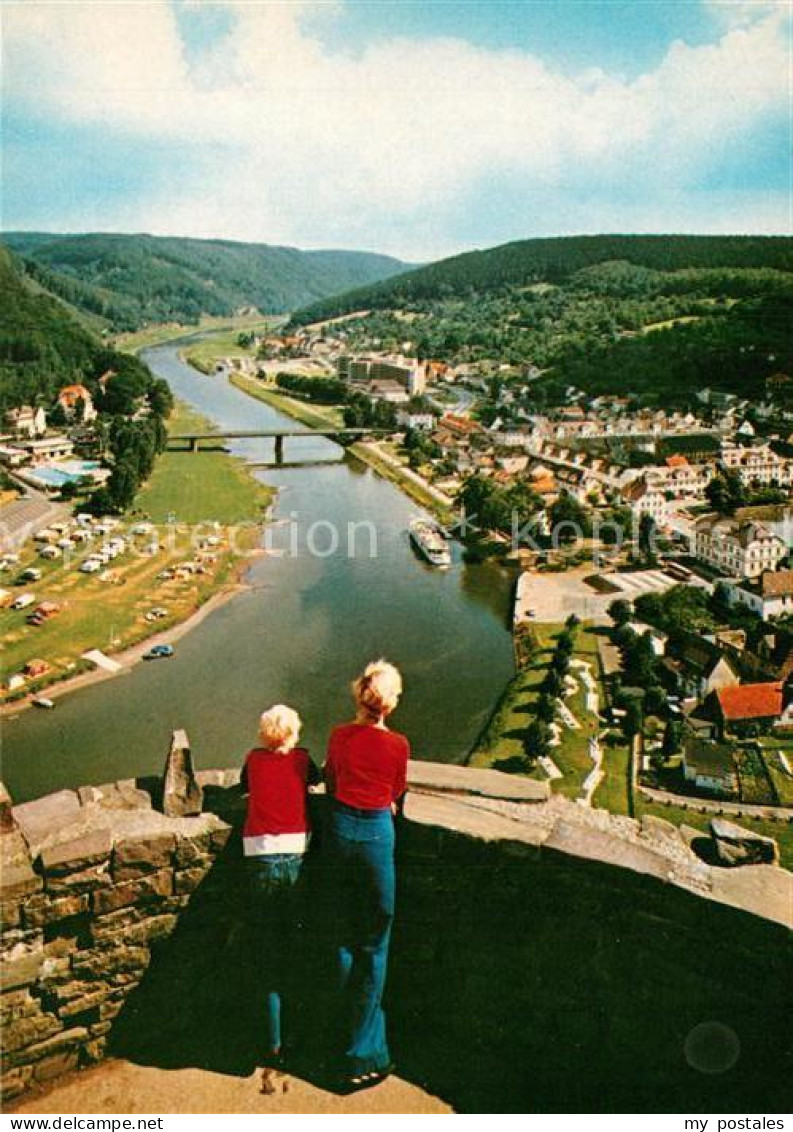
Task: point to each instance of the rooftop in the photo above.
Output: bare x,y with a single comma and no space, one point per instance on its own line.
752,701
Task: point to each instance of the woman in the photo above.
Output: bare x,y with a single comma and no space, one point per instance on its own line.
366,778
275,837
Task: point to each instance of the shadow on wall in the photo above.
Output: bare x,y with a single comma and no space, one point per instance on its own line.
519,982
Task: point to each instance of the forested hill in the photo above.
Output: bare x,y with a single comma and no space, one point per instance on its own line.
129,281
555,260
43,348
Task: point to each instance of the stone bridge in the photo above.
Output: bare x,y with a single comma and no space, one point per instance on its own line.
546,957
191,441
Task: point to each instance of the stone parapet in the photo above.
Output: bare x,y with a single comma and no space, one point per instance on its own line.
96,882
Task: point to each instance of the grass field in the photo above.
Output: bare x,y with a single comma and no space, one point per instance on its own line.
204,354
614,792
107,610
208,485
167,332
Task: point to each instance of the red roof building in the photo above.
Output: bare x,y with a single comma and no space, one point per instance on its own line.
745,702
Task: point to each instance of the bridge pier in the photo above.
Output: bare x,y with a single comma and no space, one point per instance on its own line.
194,442
279,450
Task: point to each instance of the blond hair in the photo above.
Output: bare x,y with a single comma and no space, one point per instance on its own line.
279,728
377,689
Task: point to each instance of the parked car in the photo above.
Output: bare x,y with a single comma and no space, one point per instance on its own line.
90,566
23,601
49,552
156,614
158,652
32,574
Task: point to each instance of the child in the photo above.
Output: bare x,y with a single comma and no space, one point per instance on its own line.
275,837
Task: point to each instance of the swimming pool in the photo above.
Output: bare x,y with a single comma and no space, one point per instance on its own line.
66,471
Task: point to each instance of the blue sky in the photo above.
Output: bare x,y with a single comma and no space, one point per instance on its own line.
416,128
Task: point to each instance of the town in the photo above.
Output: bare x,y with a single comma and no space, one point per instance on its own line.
670,531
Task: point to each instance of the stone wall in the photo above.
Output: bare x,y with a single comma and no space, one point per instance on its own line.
546,957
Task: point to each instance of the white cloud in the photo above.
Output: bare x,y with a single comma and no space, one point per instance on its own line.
389,139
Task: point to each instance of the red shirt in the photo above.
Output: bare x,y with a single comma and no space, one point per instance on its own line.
277,786
367,766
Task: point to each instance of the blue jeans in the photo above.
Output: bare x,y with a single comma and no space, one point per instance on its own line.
361,850
272,881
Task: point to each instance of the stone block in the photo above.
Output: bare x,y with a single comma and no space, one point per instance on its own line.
134,857
76,1007
15,1082
94,1050
21,964
219,837
62,1042
7,821
738,846
17,1004
54,970
446,778
146,890
659,829
188,880
112,1006
193,850
77,854
453,814
151,930
108,927
575,840
764,890
38,819
123,795
96,876
56,1064
97,963
17,882
26,1031
42,909
182,796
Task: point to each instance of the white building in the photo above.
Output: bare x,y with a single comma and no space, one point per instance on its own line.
407,419
28,420
770,595
683,481
757,463
645,498
738,548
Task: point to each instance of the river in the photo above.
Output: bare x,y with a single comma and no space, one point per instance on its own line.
299,634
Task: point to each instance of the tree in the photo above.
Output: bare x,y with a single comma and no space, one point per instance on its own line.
569,519
726,492
552,684
620,611
537,740
673,738
655,700
546,708
639,662
565,643
633,720
647,535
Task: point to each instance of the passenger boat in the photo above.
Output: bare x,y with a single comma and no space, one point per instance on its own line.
428,539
